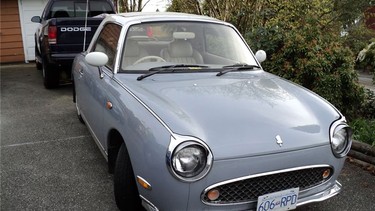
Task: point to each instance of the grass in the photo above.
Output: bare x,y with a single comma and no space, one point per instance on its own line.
364,130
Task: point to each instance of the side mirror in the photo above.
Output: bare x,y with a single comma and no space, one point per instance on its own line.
96,59
36,19
261,55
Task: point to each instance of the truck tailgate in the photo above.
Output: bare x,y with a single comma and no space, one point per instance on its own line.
71,32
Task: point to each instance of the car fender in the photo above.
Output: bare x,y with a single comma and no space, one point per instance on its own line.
147,140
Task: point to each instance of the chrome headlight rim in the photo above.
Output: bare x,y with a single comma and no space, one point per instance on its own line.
179,143
338,127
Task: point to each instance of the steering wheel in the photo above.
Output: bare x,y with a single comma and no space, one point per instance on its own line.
157,59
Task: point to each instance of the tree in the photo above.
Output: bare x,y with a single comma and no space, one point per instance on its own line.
235,12
349,12
305,46
247,14
130,5
303,41
186,6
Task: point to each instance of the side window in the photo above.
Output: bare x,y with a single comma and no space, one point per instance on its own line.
107,42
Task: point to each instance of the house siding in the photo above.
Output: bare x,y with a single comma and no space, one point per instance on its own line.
11,46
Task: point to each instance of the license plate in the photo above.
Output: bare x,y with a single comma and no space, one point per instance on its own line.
278,201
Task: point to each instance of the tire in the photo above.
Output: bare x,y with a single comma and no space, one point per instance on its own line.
50,75
125,187
76,102
38,65
78,111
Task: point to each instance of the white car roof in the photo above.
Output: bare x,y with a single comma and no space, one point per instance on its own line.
162,16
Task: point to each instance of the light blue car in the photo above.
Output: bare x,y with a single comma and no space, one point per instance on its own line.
188,120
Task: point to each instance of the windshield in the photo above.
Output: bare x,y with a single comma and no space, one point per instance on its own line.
198,45
70,8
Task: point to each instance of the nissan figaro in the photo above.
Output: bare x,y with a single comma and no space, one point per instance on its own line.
187,119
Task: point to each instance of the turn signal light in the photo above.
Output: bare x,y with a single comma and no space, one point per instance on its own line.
213,194
143,183
109,105
326,173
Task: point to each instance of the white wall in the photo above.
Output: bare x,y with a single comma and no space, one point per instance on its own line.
28,9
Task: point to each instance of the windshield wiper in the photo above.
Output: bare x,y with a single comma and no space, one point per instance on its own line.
236,67
170,67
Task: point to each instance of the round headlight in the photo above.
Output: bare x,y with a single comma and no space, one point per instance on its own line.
189,161
341,140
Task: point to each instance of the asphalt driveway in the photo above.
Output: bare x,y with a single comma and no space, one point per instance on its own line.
50,162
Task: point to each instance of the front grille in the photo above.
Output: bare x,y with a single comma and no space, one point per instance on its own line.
249,189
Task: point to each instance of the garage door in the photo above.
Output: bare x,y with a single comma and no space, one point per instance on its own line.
28,9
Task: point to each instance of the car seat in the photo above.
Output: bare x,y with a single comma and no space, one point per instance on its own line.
181,51
133,52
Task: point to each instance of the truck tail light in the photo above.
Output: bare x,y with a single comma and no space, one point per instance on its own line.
52,34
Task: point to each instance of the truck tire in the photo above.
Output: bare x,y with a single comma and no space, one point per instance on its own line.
38,65
50,75
125,187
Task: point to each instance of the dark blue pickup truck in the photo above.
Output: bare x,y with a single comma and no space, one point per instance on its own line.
63,32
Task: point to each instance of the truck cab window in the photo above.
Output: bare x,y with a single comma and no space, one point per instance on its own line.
78,9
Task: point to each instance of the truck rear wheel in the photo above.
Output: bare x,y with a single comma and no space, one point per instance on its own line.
38,65
50,75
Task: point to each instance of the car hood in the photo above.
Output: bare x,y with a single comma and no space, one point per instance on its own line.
238,114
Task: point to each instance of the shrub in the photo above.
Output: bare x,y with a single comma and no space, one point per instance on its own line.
315,59
366,58
358,37
368,107
364,131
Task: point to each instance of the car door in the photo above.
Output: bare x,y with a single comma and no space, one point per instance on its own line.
95,81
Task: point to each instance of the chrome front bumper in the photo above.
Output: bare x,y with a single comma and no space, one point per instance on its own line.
324,195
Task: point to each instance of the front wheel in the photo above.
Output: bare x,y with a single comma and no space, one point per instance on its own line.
78,111
125,187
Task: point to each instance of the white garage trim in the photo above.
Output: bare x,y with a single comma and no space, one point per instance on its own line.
28,9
